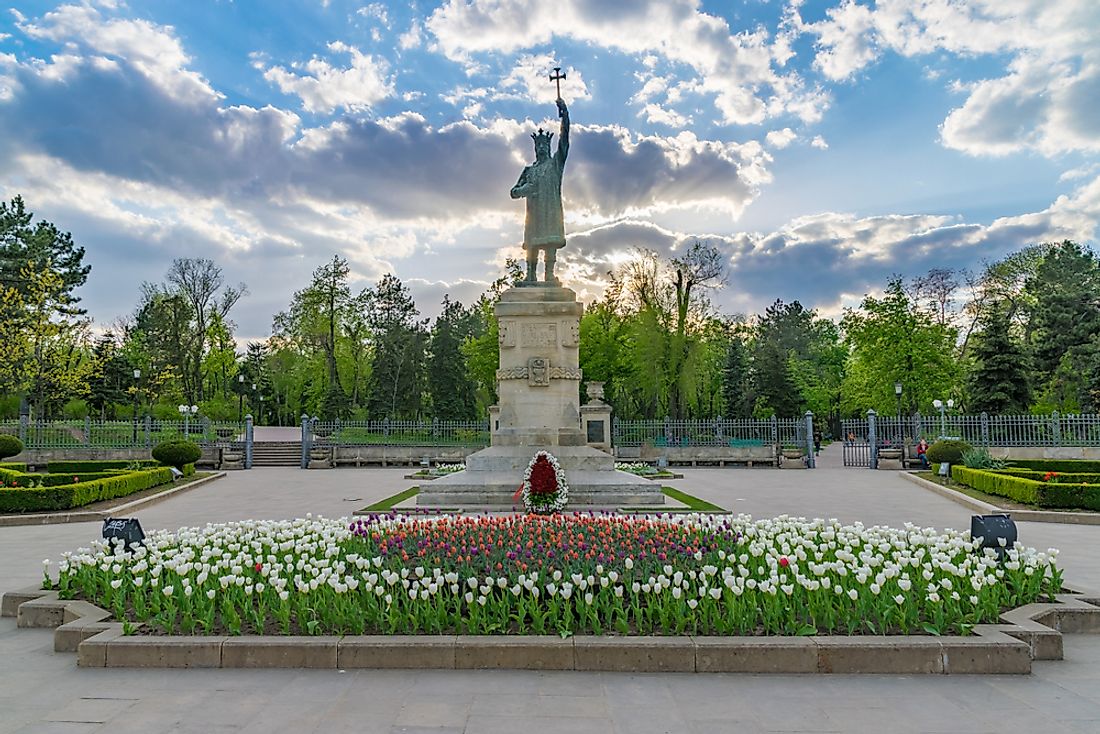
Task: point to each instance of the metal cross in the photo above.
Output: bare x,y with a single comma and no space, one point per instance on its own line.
556,77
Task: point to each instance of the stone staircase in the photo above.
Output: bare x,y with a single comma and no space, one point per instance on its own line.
277,453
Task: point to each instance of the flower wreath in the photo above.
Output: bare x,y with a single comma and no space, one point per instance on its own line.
545,488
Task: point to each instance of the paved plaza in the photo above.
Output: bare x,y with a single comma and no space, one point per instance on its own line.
41,691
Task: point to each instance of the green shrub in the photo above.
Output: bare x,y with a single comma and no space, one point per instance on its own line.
981,459
949,451
13,465
1062,478
67,496
1059,495
1058,465
10,445
1002,485
177,453
75,467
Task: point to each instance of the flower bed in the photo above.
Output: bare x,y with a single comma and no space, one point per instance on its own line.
562,574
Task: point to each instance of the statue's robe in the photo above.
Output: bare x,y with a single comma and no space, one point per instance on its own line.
545,223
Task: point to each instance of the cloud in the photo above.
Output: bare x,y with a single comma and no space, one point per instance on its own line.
780,138
819,142
324,88
848,256
738,70
1045,101
529,79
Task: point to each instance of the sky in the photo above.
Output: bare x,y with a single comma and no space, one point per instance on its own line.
821,146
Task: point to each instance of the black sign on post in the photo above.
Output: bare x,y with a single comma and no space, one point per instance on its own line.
129,529
595,432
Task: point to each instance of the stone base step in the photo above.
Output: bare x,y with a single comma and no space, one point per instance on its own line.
515,459
604,489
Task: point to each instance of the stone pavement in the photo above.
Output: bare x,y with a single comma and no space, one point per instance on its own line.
41,691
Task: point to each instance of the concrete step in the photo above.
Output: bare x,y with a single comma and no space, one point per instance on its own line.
606,489
515,459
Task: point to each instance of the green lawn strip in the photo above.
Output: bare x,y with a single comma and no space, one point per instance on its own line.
390,502
693,503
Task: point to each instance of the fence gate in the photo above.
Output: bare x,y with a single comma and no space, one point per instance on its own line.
857,443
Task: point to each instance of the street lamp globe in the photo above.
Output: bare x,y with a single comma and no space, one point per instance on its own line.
950,403
137,374
183,409
937,403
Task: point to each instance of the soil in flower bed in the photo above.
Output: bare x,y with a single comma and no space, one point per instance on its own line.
560,574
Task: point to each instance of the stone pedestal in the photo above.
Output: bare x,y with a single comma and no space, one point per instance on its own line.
539,408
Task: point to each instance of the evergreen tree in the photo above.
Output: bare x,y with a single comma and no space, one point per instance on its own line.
737,393
43,246
449,383
998,383
1066,309
397,376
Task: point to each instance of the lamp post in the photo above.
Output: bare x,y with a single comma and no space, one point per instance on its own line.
137,384
240,398
943,408
897,394
252,399
187,411
261,410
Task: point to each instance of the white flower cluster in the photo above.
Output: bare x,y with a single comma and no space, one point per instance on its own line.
635,467
776,575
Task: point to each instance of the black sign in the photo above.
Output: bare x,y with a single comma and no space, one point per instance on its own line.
992,529
595,431
129,529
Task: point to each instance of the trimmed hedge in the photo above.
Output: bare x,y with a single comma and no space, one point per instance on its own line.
1058,465
1078,496
13,465
1002,485
55,480
1063,477
75,467
68,496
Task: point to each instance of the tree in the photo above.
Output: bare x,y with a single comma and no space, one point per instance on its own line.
738,394
998,383
396,380
315,327
113,381
44,247
47,355
892,340
199,281
783,333
1065,308
449,383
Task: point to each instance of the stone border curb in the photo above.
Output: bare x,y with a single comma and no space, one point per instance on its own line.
59,518
1066,516
1031,632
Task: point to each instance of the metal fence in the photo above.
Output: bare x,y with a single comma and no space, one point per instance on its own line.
982,430
396,433
142,433
710,432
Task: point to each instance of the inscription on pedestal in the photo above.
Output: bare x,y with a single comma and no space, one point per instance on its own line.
540,335
571,334
506,336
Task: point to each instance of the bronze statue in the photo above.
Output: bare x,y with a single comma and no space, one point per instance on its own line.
540,184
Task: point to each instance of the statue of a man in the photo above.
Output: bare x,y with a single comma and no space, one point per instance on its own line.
540,184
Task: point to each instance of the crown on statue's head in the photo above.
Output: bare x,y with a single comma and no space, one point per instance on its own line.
542,137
